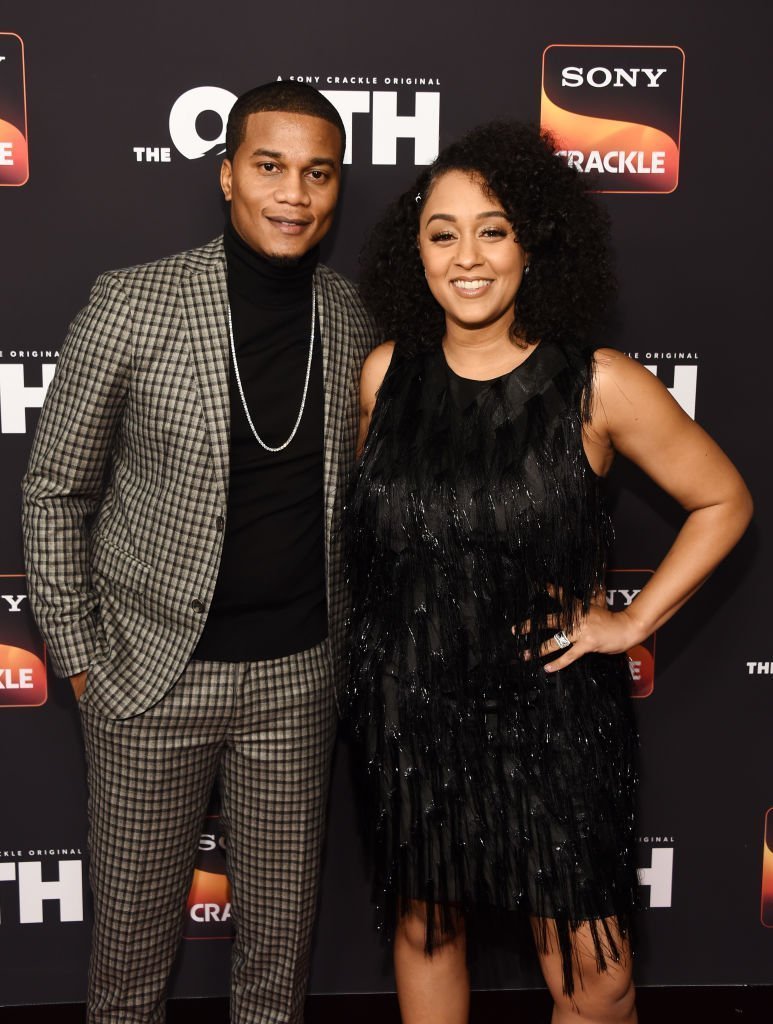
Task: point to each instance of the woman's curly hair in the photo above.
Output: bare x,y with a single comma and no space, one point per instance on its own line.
558,223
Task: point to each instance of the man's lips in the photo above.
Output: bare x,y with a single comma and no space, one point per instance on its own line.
289,225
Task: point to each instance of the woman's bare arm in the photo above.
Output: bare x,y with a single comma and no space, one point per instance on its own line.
371,377
634,414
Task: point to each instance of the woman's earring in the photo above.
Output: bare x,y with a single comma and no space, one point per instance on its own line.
526,270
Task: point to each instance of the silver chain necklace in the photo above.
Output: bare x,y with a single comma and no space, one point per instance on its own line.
258,438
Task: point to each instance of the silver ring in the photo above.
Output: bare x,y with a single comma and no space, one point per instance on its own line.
562,640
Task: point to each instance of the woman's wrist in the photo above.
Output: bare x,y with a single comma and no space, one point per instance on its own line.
636,631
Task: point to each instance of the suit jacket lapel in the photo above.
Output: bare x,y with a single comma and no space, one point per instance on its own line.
335,362
205,306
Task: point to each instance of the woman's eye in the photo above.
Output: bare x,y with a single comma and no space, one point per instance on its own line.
441,236
494,233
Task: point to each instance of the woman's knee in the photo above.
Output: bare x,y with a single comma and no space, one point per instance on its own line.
447,928
601,995
605,994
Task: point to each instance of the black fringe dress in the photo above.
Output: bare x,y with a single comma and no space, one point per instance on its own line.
491,783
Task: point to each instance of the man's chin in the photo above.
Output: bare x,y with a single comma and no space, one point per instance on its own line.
279,259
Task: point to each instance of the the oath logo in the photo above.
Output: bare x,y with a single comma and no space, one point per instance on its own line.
656,869
30,884
23,675
23,385
14,154
377,112
209,898
759,668
766,907
616,113
622,587
678,371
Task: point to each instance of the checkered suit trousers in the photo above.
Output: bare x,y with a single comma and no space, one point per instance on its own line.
267,729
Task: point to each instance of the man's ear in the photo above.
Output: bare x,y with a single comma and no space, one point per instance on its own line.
226,177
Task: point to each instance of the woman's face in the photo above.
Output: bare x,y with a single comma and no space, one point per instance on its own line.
472,259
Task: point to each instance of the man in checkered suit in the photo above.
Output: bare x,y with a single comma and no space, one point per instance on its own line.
186,571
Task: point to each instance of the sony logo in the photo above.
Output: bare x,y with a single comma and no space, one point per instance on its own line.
211,841
625,595
203,913
600,77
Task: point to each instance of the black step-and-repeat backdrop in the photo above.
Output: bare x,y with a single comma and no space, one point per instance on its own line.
111,128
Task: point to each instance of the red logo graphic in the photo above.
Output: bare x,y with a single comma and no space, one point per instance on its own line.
23,675
209,899
22,678
622,587
766,908
14,156
616,112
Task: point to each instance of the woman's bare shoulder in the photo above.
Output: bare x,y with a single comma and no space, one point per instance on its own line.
616,368
379,359
374,370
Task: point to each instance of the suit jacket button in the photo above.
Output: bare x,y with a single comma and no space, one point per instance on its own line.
220,524
197,605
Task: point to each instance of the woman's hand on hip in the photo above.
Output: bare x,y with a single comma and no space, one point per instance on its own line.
599,630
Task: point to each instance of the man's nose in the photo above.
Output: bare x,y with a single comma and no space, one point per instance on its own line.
293,190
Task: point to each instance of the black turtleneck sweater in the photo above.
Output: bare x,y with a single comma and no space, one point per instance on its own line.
269,599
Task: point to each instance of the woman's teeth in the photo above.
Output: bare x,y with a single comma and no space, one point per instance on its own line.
470,286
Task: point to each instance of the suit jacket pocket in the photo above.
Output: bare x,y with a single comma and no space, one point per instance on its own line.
119,568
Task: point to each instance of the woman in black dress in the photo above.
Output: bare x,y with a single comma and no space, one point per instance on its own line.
489,682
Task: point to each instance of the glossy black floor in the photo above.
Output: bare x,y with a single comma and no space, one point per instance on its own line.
656,1006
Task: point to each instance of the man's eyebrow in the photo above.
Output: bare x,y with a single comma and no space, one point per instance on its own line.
481,216
315,161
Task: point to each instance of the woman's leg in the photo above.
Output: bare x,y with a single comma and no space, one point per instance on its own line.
431,989
600,997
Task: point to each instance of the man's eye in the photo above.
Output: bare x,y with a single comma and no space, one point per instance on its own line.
268,167
317,175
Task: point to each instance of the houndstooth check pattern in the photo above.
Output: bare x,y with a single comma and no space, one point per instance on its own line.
128,476
123,507
269,728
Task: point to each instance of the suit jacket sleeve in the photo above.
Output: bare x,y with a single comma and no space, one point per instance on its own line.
67,474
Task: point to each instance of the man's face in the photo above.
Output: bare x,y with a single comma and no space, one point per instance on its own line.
283,182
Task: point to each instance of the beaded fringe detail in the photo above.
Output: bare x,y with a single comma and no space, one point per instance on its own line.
490,783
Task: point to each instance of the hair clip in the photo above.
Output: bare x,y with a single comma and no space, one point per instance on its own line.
417,197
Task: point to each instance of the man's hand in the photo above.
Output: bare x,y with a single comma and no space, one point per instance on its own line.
78,684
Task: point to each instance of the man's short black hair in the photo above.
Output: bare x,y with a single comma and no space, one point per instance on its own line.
288,97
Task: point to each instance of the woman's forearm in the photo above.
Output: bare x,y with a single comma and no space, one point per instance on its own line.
706,537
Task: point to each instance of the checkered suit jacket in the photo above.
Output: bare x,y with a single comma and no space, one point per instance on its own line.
128,475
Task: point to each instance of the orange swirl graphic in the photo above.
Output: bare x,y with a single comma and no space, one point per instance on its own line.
586,135
14,160
208,887
23,681
766,909
642,671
